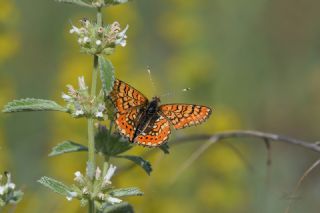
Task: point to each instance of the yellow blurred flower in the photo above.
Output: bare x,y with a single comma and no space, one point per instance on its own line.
9,40
7,9
9,44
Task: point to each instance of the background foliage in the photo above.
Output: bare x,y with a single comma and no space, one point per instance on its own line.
255,62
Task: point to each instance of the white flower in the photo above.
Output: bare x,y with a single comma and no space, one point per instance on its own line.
101,196
121,42
86,39
71,195
79,112
79,177
71,90
66,97
122,34
85,190
113,200
122,37
2,189
85,22
110,172
98,42
82,84
80,40
74,30
11,185
99,114
98,173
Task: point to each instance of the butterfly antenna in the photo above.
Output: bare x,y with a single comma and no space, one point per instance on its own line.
150,77
175,92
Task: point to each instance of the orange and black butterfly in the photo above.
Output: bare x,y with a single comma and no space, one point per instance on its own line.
146,122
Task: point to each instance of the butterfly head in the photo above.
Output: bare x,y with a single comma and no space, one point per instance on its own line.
156,99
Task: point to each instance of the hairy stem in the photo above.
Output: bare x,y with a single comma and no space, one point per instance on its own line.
91,148
91,207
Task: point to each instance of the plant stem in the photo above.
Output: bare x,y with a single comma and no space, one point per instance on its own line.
91,148
105,166
91,207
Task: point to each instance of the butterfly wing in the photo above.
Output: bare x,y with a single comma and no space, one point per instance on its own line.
127,122
125,96
184,115
156,132
128,102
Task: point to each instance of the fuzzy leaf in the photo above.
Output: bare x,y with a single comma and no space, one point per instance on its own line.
165,148
106,74
115,2
130,191
123,207
55,186
66,147
31,104
139,161
110,144
75,2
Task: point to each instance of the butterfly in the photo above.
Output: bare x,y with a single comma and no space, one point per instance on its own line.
147,122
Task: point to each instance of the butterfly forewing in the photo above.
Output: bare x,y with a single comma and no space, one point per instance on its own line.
184,115
125,96
128,102
156,133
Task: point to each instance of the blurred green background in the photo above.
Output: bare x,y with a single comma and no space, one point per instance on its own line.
256,62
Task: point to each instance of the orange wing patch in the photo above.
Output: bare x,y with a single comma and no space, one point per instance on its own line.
126,122
156,133
125,96
184,115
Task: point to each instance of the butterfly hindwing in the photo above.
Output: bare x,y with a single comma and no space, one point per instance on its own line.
126,122
184,115
156,133
125,97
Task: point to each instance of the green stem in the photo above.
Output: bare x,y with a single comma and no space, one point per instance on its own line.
91,148
99,17
91,206
105,166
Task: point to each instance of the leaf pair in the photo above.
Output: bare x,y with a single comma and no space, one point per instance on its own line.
87,3
107,144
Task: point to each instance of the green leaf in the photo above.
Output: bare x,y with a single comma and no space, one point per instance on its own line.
139,161
55,186
115,2
130,191
110,144
106,74
31,104
165,148
67,147
118,208
75,2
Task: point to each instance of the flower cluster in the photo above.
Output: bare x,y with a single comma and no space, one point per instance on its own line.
8,192
99,190
94,39
81,104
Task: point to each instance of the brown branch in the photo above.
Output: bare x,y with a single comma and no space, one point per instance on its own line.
269,137
305,174
247,134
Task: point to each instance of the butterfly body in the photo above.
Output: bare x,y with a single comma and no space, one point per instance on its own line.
147,117
148,123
